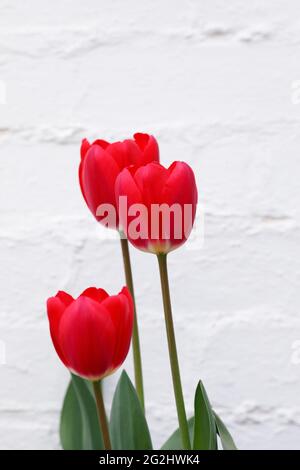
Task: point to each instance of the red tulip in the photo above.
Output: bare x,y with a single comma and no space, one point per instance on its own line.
101,162
91,334
158,207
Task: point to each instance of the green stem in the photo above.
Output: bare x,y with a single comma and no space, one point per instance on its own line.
183,425
101,414
137,361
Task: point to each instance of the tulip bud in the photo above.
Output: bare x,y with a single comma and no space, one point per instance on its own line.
101,162
91,334
157,206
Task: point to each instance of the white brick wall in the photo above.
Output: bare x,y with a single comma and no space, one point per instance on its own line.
214,82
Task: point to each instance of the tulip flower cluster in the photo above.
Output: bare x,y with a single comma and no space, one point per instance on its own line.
127,189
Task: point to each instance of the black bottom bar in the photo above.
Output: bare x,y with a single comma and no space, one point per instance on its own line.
133,459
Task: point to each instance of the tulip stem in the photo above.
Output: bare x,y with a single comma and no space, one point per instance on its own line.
183,425
102,414
137,361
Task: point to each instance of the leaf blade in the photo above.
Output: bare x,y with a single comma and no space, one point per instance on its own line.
174,441
91,434
128,425
70,429
225,436
205,432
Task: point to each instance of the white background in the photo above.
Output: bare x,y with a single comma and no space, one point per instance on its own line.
216,83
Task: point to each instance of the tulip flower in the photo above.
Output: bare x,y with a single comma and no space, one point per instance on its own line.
91,334
101,162
157,208
157,205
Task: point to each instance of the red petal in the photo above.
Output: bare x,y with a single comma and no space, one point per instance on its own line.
181,189
126,187
151,180
66,298
87,338
119,153
93,293
134,155
85,145
102,143
181,185
56,307
98,175
80,181
120,308
149,147
141,140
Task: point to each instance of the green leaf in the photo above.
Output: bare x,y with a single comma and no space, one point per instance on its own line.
225,436
128,425
70,421
205,432
174,441
79,415
91,434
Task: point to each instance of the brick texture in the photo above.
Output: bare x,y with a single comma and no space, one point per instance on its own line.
216,83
